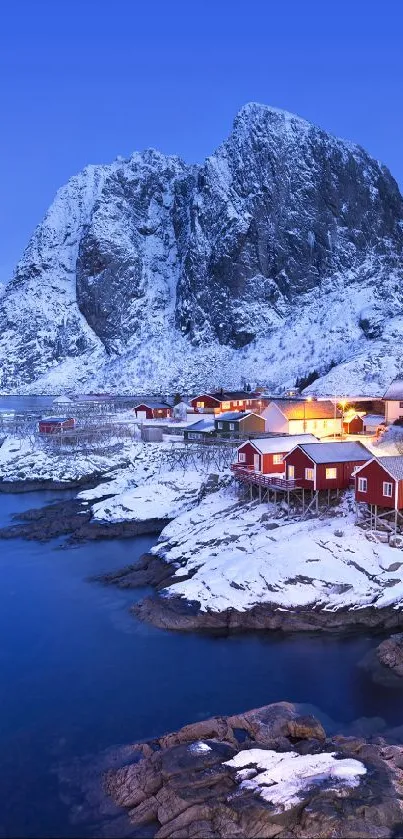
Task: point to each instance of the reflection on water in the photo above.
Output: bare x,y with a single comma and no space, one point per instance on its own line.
79,674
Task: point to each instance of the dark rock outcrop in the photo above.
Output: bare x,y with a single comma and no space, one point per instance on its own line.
390,653
182,786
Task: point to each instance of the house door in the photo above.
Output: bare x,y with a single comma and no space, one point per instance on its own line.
256,462
141,415
290,471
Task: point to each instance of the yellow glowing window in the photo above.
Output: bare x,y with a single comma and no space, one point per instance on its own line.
309,474
331,474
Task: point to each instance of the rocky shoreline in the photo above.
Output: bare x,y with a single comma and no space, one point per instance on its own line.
73,518
264,773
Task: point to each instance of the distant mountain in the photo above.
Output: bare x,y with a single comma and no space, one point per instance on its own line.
279,257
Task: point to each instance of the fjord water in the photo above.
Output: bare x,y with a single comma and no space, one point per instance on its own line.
79,674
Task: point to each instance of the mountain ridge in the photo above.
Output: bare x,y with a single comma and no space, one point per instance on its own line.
279,255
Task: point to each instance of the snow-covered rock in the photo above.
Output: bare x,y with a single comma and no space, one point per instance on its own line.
279,255
240,555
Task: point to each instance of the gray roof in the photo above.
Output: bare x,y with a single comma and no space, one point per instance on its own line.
234,415
277,445
394,465
336,452
201,425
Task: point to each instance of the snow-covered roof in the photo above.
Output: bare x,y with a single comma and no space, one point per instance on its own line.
152,403
235,415
335,452
373,419
393,464
297,409
62,400
277,445
395,390
201,425
55,419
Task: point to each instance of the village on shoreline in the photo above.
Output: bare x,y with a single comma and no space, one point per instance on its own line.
281,513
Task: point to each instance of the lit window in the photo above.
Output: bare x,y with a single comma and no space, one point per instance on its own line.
387,489
200,404
324,423
241,457
219,425
291,471
277,458
309,474
362,484
232,426
314,424
331,474
225,406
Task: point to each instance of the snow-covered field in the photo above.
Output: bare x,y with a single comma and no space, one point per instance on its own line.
27,460
242,555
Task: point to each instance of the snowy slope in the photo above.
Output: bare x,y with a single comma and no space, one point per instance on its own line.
240,558
281,254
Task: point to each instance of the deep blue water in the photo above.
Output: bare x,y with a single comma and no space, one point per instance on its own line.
78,673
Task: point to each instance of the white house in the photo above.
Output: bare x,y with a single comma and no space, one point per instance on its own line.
301,416
393,399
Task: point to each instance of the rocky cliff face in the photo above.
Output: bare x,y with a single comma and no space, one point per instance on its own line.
279,255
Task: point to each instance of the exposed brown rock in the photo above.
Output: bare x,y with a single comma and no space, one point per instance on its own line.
182,784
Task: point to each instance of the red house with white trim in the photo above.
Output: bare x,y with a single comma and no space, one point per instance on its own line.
55,425
152,409
320,466
380,482
228,400
266,454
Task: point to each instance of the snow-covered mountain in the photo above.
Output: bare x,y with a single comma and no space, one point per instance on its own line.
280,255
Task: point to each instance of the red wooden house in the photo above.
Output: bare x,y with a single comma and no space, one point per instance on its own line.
266,454
353,422
380,482
54,425
228,400
152,409
321,466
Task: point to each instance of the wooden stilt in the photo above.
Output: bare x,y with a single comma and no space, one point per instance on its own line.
395,522
303,501
317,501
376,516
328,497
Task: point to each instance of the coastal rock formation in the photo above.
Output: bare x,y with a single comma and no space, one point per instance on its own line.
264,773
390,653
152,273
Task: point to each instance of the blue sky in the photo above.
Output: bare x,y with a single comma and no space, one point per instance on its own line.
81,82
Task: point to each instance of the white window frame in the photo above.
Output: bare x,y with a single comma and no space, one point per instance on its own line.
225,406
290,471
232,426
220,425
309,473
387,485
362,484
333,476
277,459
199,404
241,457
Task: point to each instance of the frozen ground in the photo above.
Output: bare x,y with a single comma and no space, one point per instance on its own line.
241,555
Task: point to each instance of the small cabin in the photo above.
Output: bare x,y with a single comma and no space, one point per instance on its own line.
353,422
380,482
199,430
238,424
55,425
152,410
373,423
320,466
266,454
